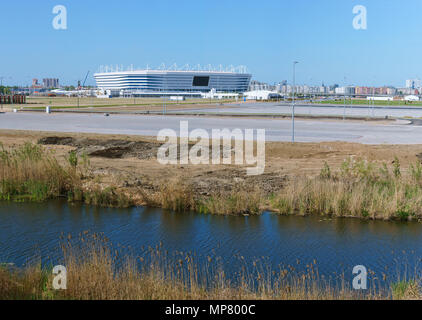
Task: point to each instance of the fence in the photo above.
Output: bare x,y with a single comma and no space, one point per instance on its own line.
13,99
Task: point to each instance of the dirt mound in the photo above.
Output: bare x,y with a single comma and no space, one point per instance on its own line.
113,149
228,179
64,141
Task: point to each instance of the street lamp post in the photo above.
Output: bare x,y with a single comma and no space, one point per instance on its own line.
373,102
344,100
1,94
293,106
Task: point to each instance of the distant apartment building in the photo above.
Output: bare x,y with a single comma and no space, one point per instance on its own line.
380,91
288,89
363,90
260,86
322,89
413,83
391,91
345,90
407,91
50,83
384,91
35,84
279,86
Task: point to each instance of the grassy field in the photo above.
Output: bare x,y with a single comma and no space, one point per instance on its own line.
84,102
96,271
366,102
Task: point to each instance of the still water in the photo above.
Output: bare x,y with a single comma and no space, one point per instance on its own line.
33,230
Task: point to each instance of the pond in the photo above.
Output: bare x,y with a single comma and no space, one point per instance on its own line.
30,230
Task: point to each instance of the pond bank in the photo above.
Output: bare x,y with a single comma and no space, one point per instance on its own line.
328,179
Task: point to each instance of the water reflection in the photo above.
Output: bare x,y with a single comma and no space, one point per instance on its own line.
33,230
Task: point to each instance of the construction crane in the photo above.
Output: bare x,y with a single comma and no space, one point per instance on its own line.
86,77
83,85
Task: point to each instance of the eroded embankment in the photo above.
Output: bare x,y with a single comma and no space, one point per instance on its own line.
225,191
327,179
357,188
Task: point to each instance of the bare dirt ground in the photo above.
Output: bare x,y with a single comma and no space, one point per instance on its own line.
130,161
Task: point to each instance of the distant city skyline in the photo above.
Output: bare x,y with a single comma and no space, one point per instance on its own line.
411,84
265,36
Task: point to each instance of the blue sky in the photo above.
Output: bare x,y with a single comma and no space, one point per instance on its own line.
265,35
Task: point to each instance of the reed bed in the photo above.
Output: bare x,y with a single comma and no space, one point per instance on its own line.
179,196
359,189
31,173
96,271
27,172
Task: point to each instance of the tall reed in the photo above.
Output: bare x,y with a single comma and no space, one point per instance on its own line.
29,172
179,196
96,271
359,189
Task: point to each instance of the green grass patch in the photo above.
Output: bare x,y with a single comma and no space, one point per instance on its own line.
31,173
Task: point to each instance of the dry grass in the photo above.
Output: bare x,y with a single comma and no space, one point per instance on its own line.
180,196
31,173
96,272
233,203
360,189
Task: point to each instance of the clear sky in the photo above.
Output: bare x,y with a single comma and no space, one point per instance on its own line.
265,35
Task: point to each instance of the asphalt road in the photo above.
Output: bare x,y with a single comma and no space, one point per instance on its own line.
324,110
276,130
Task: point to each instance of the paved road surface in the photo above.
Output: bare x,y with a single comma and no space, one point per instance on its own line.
276,130
335,110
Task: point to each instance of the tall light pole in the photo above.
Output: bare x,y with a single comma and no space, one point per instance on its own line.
1,94
373,100
293,106
344,100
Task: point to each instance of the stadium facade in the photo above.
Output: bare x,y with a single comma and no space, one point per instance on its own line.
170,82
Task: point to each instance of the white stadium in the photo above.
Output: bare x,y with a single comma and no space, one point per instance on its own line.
171,82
